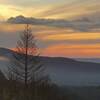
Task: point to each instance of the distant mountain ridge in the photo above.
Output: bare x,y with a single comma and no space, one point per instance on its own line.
95,60
63,71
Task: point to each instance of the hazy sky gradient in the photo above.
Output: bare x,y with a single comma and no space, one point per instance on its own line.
79,38
64,9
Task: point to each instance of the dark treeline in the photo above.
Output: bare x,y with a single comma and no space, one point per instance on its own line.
44,91
47,91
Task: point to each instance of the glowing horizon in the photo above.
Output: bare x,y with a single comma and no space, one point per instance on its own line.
74,44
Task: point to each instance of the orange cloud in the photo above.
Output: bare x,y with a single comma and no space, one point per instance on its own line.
73,50
72,36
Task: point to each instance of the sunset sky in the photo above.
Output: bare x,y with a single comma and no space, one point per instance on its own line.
80,37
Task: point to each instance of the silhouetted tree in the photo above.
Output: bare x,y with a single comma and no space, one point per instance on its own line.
26,66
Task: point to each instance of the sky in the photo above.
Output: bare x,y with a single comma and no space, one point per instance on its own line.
78,36
61,9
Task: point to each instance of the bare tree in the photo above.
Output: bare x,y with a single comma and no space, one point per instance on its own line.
26,65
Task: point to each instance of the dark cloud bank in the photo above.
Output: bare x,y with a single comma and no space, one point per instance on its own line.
80,25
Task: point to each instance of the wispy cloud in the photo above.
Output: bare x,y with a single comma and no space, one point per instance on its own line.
76,51
52,8
74,36
72,9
